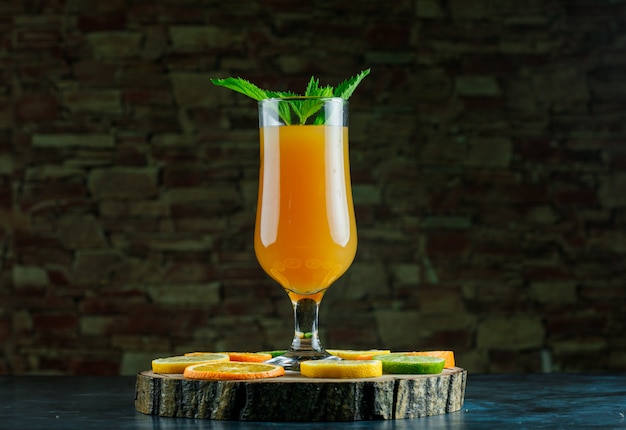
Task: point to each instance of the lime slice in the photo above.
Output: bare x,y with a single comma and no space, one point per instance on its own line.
448,356
400,363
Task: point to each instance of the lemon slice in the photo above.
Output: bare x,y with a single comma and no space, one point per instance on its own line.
177,364
233,370
341,368
401,363
355,354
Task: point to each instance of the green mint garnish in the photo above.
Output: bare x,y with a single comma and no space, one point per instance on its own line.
242,86
347,87
303,109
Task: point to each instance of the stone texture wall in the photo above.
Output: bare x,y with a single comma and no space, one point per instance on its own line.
488,160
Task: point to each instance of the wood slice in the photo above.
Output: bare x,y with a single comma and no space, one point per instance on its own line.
296,398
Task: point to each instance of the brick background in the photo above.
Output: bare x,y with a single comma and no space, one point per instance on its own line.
488,165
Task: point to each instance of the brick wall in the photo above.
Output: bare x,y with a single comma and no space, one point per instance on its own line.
488,165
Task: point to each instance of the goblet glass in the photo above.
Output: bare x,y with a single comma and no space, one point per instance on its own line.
305,231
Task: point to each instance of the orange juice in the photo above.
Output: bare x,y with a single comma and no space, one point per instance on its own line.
305,232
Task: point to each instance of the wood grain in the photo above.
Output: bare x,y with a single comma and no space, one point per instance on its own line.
296,398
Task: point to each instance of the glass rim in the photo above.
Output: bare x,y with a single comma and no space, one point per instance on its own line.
296,98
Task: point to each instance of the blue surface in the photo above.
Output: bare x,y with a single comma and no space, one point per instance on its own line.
554,401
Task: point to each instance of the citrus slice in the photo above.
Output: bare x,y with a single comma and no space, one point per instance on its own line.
355,354
401,363
341,368
275,353
249,357
177,364
233,370
191,354
448,356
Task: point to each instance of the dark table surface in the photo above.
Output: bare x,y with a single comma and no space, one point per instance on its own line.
548,401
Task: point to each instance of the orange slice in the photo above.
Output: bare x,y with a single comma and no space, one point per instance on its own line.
177,364
233,370
249,357
448,356
356,354
342,369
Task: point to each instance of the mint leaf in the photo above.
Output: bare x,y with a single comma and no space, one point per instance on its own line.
308,108
284,109
302,109
313,89
242,86
347,87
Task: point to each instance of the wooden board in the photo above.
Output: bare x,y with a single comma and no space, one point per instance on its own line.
296,398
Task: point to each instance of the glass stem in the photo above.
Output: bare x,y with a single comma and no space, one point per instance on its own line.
306,339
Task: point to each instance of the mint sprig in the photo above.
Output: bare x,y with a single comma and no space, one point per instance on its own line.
303,109
242,86
347,87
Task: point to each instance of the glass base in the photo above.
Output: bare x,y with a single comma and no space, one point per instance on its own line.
291,359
